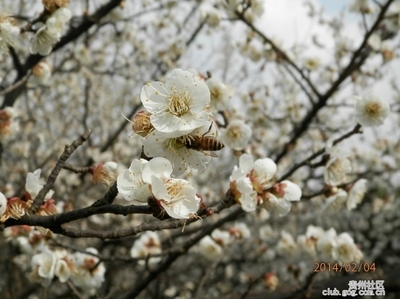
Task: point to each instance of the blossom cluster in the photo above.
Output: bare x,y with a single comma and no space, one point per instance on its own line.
8,33
49,33
44,263
253,184
351,197
212,247
148,244
177,116
326,245
146,179
16,207
8,125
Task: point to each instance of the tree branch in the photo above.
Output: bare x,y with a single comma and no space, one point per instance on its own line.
69,149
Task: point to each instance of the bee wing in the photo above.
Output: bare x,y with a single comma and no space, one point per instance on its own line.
209,153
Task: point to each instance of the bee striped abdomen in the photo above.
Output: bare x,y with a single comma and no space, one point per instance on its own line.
201,143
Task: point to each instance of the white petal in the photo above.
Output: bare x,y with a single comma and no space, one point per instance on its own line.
3,204
246,163
292,191
159,167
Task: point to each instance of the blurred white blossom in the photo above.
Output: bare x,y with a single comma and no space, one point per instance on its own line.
371,110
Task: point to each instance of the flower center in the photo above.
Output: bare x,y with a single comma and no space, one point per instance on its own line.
174,189
173,144
234,132
372,109
178,102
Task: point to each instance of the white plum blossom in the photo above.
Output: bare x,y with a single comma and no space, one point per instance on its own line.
223,238
177,196
105,173
345,250
41,73
62,269
392,23
211,16
362,6
50,33
326,243
312,63
172,147
338,165
130,183
375,41
57,21
266,232
34,184
240,230
280,198
87,272
253,184
8,33
209,248
247,196
307,244
314,232
43,267
287,244
236,135
371,110
335,202
42,43
220,94
8,126
179,105
148,244
261,172
3,204
356,194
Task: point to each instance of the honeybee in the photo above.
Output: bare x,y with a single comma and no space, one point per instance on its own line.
204,143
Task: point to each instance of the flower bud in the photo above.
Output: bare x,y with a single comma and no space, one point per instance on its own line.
105,173
41,73
53,5
141,124
7,124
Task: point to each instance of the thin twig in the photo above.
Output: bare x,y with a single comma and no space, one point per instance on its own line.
16,85
356,130
75,168
69,149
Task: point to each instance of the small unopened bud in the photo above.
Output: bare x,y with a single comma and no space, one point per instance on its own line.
7,124
42,73
47,208
16,208
141,124
105,173
271,281
53,5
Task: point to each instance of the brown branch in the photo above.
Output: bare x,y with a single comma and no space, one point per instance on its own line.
54,222
108,198
357,130
75,169
16,85
69,149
